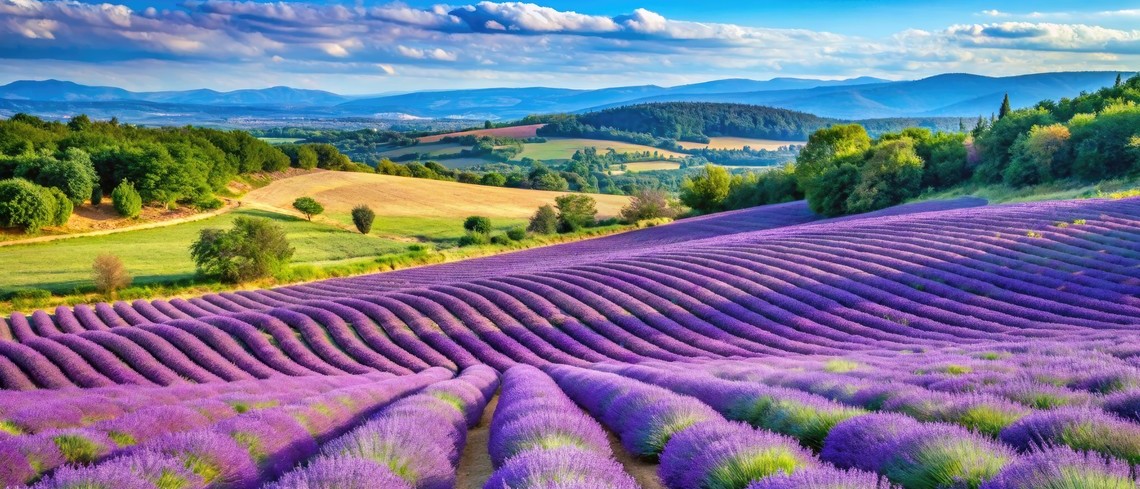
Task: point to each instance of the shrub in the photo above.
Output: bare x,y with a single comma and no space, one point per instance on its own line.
127,201
208,203
96,195
254,248
706,190
517,233
362,217
544,221
25,205
109,273
494,179
308,207
648,204
62,206
575,211
477,224
500,239
471,239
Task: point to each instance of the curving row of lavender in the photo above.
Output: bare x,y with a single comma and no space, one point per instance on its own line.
1022,272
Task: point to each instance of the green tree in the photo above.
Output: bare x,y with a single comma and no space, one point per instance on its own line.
551,181
1103,143
362,217
575,211
126,200
25,205
493,179
1005,108
828,148
73,174
706,190
308,206
891,175
61,206
1038,155
254,248
477,224
832,189
307,157
994,143
544,221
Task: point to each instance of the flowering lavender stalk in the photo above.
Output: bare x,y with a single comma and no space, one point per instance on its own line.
1063,468
561,468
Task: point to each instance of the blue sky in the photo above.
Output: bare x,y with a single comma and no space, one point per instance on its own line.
377,46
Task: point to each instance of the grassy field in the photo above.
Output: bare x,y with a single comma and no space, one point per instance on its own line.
161,255
651,166
738,143
564,148
517,132
431,149
280,140
1060,190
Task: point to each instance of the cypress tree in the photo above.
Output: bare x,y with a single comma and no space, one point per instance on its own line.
1005,109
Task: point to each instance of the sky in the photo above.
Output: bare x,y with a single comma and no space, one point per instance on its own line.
371,47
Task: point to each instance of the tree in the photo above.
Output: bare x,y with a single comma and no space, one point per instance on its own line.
126,200
308,207
550,181
1038,155
1005,108
706,190
109,274
477,225
307,157
830,191
254,248
61,206
25,205
544,221
493,179
1118,81
362,217
892,175
648,204
828,148
575,211
74,174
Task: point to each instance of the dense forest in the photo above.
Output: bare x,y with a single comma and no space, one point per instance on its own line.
842,169
46,168
657,123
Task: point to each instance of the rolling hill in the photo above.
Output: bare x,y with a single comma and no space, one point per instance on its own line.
952,95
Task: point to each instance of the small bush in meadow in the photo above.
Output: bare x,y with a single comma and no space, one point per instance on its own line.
109,273
362,218
127,201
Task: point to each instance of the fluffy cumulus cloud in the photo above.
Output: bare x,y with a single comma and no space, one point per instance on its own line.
520,43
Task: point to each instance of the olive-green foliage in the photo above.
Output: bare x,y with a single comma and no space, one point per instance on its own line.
126,200
26,205
493,179
477,224
942,462
706,190
517,233
648,204
362,218
254,248
826,147
829,192
544,221
762,188
71,171
575,211
308,206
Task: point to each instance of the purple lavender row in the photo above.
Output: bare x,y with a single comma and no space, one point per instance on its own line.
539,438
696,446
237,452
415,442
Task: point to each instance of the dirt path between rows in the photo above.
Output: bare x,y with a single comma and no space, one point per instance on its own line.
475,463
643,471
230,205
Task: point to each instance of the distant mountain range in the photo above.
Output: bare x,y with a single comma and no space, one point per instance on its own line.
948,95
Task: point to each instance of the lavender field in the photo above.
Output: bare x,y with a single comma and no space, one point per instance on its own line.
937,345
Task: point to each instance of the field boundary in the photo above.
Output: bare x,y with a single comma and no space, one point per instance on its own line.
229,206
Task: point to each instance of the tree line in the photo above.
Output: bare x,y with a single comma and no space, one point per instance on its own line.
49,167
843,170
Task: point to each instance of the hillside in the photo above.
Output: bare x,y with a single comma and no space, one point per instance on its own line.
339,192
949,95
972,333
